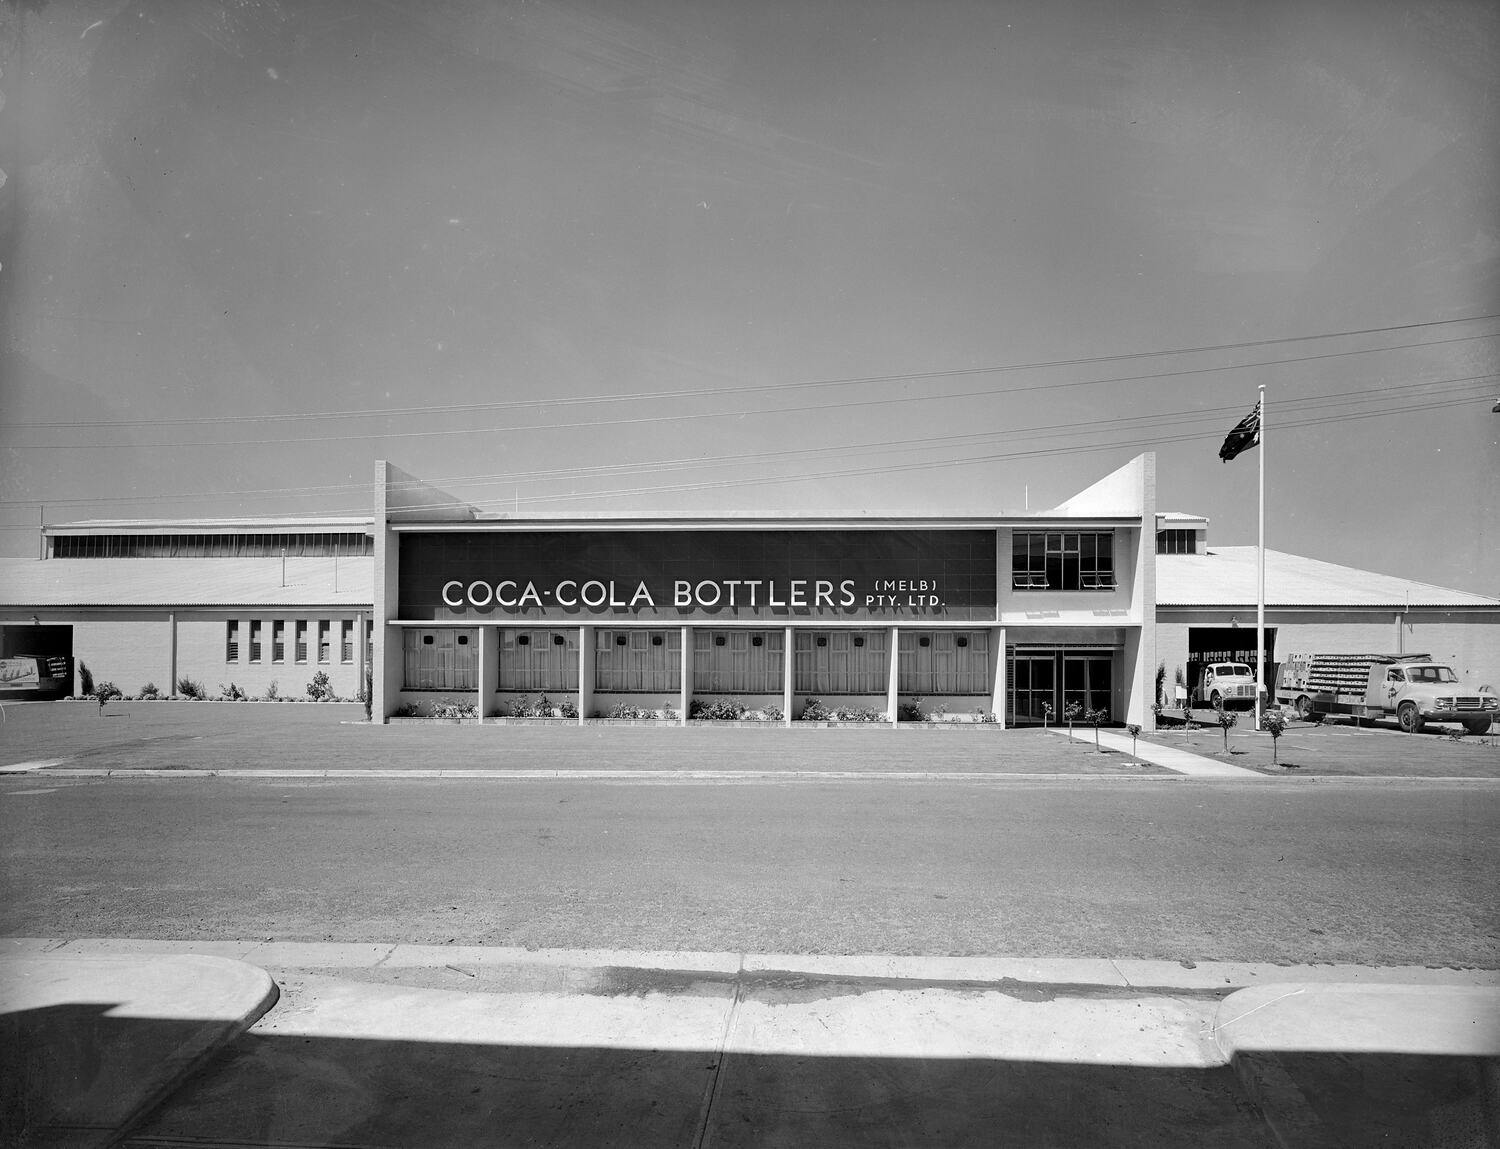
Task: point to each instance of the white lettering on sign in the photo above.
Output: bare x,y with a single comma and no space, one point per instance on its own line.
707,594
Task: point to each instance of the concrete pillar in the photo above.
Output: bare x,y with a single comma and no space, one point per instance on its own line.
488,677
585,673
997,674
893,679
788,671
171,654
686,699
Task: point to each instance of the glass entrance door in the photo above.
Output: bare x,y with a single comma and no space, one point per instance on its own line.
1088,680
1034,682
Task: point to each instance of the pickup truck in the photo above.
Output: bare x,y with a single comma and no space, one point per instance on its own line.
1412,688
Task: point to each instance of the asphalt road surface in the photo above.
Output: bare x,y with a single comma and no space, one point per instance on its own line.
1371,871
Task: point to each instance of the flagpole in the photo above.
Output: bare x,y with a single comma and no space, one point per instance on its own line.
1260,569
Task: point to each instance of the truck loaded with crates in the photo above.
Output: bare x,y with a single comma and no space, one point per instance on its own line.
1226,685
1411,688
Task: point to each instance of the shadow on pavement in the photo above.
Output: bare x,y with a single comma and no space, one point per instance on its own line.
63,1087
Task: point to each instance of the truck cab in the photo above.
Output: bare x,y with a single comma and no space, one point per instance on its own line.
1422,692
1227,684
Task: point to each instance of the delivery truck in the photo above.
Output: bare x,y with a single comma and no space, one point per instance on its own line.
1411,688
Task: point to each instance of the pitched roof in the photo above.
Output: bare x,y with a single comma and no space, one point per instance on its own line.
187,582
1225,576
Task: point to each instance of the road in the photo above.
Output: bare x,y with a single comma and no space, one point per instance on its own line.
1302,870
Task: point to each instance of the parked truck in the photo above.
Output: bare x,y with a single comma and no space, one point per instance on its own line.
1412,688
1226,684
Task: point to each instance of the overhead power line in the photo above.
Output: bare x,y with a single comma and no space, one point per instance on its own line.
745,389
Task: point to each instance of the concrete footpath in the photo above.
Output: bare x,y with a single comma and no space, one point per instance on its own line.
152,1044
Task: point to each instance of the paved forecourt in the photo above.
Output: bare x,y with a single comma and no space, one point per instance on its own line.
380,1043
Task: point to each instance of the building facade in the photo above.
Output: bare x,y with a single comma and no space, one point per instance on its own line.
429,603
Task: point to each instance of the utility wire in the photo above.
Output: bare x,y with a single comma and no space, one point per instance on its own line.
743,389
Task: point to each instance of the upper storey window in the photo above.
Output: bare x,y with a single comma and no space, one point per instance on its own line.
1063,560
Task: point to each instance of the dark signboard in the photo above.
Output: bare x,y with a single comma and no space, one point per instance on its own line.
684,575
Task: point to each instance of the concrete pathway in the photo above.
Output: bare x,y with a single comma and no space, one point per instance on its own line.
1169,757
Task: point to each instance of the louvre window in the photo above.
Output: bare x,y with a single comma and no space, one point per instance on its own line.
325,649
346,640
232,641
255,640
299,646
278,641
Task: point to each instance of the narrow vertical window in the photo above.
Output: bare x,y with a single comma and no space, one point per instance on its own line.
299,646
325,650
346,640
278,641
255,625
232,641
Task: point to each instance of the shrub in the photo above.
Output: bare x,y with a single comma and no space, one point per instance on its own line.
447,708
567,708
669,712
150,691
232,692
772,713
911,711
860,714
406,710
369,698
85,680
719,710
319,689
191,689
1161,681
985,716
272,692
625,710
814,711
1135,732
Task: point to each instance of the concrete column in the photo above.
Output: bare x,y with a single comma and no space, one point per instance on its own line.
997,674
686,692
585,672
488,677
171,654
893,640
788,671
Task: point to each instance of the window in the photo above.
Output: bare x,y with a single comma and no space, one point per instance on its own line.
255,640
538,659
833,663
1176,542
438,660
637,661
346,640
738,661
324,647
232,642
944,662
1063,560
278,641
299,646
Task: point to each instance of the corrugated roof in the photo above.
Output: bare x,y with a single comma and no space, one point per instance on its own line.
1226,577
186,582
279,524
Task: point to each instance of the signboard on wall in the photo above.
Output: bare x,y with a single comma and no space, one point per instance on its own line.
679,576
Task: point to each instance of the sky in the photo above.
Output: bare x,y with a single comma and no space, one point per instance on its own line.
672,257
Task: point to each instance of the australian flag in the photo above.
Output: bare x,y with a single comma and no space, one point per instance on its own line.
1246,434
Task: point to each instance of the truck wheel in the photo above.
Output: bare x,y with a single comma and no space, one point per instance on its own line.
1409,719
1304,708
1215,699
1477,725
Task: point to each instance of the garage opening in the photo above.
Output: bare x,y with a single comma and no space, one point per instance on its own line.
1208,644
36,662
